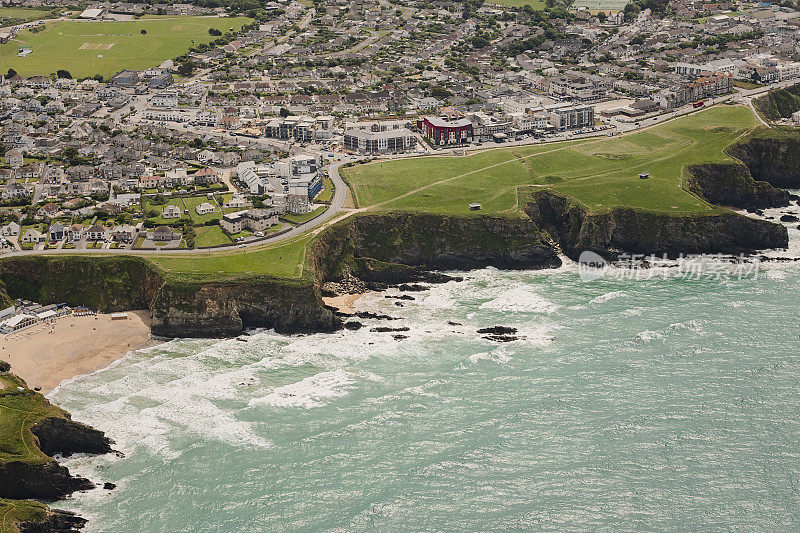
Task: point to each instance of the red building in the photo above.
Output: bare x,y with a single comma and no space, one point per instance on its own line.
441,132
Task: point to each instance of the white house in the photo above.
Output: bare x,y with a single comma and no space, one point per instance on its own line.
171,211
32,235
11,229
204,209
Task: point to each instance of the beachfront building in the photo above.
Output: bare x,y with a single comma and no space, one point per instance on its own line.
252,220
57,232
10,230
17,323
32,236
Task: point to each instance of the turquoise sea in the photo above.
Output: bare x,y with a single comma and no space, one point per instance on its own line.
663,404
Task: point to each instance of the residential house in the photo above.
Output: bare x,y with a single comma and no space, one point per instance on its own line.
205,208
96,233
57,232
170,211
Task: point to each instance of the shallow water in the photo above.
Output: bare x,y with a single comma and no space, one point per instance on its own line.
665,404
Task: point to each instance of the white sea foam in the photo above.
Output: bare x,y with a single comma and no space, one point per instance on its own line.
608,296
313,391
520,300
649,336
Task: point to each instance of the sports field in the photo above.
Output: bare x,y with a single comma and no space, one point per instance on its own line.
23,13
600,173
85,48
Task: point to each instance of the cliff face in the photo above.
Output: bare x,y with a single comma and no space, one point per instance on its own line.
108,283
47,481
178,309
397,247
772,156
628,230
731,184
53,521
63,436
226,309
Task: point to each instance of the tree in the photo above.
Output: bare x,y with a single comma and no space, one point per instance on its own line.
214,32
186,68
143,32
61,73
601,17
11,73
284,112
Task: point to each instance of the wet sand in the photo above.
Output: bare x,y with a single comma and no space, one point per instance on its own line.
49,353
344,302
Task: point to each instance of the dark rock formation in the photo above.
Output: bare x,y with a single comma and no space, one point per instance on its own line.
619,230
384,329
63,436
54,521
109,486
772,156
789,218
498,330
47,481
730,184
400,248
224,309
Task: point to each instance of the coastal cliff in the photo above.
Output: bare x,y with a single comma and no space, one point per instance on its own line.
731,184
223,309
772,156
178,307
402,247
618,230
32,431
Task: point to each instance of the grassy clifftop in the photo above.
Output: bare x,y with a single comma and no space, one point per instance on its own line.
780,103
599,173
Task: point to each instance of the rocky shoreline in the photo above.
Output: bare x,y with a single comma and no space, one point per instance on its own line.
37,475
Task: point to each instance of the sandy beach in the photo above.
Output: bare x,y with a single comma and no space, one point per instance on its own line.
48,353
344,302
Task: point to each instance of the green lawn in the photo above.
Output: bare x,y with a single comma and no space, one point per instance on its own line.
194,201
601,5
24,13
19,410
282,260
148,206
536,4
14,512
210,236
80,43
305,217
327,192
600,173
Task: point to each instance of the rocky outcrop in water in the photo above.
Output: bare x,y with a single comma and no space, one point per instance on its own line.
54,521
49,481
63,436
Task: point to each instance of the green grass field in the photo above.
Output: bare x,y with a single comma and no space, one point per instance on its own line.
120,44
600,173
536,4
606,6
281,260
18,412
23,13
206,236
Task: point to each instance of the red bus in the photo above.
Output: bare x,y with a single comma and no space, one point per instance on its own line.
699,103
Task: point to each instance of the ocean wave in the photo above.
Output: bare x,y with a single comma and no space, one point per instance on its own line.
608,296
313,391
520,300
649,336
